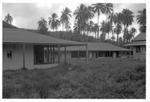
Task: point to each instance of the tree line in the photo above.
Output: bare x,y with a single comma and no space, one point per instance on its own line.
115,23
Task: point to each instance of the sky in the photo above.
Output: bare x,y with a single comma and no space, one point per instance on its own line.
26,15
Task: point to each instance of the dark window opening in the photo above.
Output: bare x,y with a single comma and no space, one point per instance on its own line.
78,54
104,54
138,50
9,54
44,54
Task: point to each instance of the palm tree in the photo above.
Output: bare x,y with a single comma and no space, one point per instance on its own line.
79,17
54,22
108,9
89,27
95,29
90,14
82,15
126,35
118,30
141,19
8,19
106,27
113,38
132,32
126,19
91,24
103,36
111,18
42,26
103,29
65,17
98,8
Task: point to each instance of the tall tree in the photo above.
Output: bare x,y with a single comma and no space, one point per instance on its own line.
126,19
141,19
42,26
108,10
132,32
118,30
95,29
106,28
90,14
99,8
103,30
8,19
111,18
54,22
82,16
65,17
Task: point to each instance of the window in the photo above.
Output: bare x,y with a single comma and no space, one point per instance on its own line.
9,54
78,54
44,54
138,50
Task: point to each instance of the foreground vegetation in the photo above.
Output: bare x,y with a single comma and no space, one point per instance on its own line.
101,78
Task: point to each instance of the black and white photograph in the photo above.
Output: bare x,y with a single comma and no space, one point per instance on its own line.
74,50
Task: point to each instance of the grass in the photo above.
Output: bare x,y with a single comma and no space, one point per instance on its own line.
100,78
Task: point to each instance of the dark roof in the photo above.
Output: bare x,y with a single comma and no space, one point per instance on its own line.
140,37
6,25
139,40
22,36
136,43
97,47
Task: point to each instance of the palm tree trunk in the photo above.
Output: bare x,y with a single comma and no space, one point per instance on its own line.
117,38
98,26
124,35
108,35
62,27
112,29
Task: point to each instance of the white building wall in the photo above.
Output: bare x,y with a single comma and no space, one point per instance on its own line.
16,62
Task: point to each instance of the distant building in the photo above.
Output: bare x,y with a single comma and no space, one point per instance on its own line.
97,50
138,45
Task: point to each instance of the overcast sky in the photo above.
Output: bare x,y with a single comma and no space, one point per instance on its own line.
26,15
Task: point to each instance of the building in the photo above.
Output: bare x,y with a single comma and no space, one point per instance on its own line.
138,46
24,49
96,50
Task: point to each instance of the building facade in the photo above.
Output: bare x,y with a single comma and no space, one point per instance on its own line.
138,46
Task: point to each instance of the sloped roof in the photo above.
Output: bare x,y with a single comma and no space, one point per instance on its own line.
97,47
137,43
140,37
6,25
11,35
139,40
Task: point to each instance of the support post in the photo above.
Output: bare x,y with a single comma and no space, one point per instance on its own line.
58,54
65,55
23,55
87,54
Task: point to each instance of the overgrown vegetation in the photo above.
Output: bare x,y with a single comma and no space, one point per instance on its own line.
101,78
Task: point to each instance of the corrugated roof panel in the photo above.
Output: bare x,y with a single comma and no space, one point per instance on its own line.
22,36
97,47
141,36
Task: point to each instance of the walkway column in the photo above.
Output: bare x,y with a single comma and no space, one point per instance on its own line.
23,55
114,54
58,54
65,55
87,53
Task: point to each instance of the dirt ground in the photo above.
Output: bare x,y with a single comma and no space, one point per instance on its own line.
102,78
